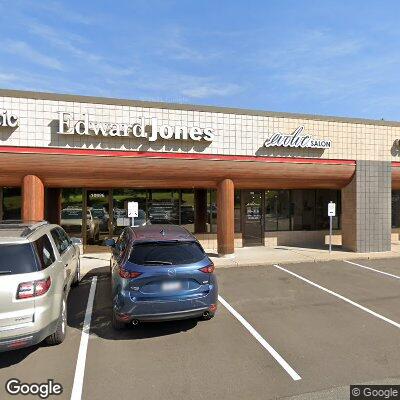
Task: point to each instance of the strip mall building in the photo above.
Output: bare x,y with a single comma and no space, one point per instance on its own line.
233,177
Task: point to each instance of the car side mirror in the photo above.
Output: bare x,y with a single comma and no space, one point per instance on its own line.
110,242
76,241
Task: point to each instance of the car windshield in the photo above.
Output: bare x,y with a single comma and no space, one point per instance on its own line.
16,259
71,214
166,253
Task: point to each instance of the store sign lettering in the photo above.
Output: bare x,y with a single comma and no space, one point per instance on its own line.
7,119
85,126
297,139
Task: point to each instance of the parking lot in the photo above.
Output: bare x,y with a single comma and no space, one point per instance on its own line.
305,331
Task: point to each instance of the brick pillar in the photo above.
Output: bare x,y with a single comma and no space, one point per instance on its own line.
32,198
366,208
200,216
225,217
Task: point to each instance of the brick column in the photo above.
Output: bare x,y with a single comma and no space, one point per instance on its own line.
366,208
225,217
32,198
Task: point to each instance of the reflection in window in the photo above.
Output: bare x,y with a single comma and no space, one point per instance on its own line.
237,211
71,211
11,203
396,209
187,209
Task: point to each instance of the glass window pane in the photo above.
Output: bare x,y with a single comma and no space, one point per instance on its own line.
303,206
396,209
187,209
121,198
163,206
271,216
44,251
237,211
212,210
323,197
11,203
283,210
71,211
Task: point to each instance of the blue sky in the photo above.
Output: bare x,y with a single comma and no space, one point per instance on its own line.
318,57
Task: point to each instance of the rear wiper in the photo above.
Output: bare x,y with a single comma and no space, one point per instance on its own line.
5,272
158,262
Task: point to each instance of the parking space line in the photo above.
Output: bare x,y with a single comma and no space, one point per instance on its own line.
81,361
373,269
353,303
294,375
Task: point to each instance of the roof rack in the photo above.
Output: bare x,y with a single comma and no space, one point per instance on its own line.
27,227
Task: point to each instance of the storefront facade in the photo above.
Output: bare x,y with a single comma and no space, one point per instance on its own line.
232,177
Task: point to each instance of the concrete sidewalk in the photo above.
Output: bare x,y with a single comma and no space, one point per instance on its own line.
251,256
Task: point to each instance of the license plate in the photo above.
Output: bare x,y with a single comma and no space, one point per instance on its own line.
170,286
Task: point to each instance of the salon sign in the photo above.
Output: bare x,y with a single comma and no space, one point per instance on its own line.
297,139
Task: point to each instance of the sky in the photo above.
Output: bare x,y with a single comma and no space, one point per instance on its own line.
315,57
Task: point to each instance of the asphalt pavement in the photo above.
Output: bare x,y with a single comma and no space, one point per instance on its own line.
296,331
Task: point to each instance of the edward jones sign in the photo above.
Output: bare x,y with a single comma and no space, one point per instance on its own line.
297,139
85,126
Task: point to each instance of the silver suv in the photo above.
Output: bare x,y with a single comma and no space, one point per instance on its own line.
38,265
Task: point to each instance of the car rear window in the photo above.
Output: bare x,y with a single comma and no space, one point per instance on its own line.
166,253
17,259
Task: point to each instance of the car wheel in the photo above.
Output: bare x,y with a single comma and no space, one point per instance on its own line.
116,324
77,277
59,335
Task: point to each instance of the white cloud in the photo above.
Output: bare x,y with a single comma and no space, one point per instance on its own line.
24,50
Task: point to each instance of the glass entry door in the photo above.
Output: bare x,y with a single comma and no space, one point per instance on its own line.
252,219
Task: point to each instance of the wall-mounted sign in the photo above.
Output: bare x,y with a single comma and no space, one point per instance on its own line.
8,119
85,126
297,139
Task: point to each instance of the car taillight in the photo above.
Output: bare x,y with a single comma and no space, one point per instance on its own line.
124,273
209,269
33,288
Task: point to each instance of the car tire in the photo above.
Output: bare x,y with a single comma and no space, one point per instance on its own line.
77,277
59,335
116,324
208,317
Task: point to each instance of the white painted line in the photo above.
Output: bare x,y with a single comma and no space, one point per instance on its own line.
81,361
373,269
294,375
353,303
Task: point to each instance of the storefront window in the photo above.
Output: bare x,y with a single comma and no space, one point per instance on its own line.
71,211
11,204
163,206
121,198
396,209
237,210
303,206
186,209
212,210
323,197
277,210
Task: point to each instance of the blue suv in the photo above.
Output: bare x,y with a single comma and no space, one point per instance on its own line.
160,273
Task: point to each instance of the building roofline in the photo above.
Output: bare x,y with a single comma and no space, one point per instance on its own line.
187,107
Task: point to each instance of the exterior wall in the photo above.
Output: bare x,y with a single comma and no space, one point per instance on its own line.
366,208
209,240
237,132
301,238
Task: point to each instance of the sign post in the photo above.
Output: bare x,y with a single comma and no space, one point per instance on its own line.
331,213
133,211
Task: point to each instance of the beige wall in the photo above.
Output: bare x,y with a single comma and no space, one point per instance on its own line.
236,134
